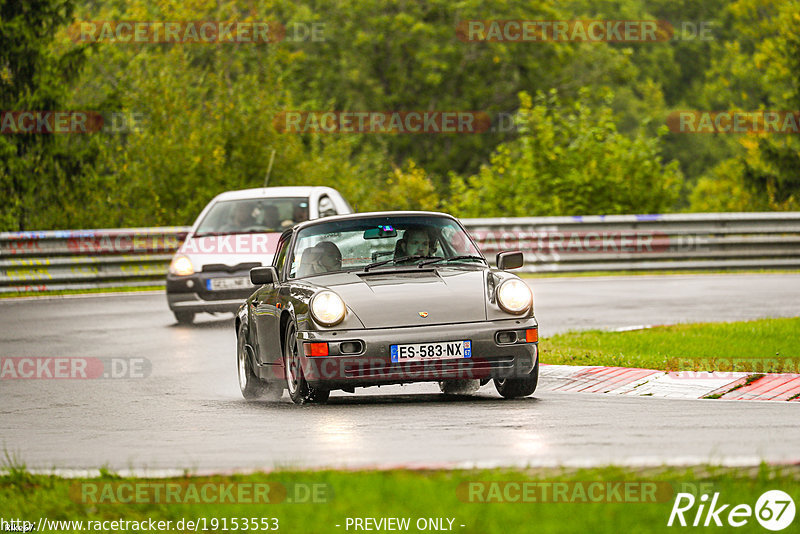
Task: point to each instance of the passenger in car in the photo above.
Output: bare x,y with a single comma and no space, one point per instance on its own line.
330,258
322,258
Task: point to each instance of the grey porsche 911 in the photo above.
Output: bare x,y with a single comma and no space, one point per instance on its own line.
385,298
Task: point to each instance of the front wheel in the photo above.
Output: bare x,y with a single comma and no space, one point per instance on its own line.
250,385
299,390
184,317
512,388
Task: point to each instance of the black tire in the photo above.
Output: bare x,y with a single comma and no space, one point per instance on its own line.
184,317
512,388
250,385
461,386
299,390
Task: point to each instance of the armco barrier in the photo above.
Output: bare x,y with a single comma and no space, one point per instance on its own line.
646,242
86,259
81,259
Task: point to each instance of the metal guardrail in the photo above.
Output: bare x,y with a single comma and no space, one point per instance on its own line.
646,242
86,259
83,259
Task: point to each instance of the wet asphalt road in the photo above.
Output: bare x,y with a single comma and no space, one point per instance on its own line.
188,412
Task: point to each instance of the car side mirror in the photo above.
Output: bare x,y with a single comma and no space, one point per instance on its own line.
263,275
510,260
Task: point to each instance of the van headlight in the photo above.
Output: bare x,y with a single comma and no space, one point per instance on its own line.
514,296
181,266
327,308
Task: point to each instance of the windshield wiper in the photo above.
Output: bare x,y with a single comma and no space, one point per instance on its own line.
396,261
232,232
465,257
206,234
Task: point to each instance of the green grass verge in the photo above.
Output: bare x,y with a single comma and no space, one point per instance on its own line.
415,495
765,345
18,294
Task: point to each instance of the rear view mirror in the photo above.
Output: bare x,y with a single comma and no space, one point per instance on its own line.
263,275
382,231
510,260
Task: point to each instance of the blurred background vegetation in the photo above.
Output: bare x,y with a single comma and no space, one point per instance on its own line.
590,134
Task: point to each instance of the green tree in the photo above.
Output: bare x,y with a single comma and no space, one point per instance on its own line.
208,123
569,160
758,71
408,188
775,172
43,177
398,55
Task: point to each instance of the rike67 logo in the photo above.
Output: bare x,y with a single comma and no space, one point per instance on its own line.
774,510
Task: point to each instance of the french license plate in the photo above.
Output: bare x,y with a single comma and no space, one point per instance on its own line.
239,282
447,350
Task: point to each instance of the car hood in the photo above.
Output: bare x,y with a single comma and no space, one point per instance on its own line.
390,299
230,250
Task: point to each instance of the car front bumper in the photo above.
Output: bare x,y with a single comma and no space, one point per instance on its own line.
192,293
373,364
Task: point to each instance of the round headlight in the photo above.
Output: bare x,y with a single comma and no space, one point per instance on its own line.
181,265
514,296
327,308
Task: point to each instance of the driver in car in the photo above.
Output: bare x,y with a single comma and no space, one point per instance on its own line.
241,219
415,242
299,214
272,219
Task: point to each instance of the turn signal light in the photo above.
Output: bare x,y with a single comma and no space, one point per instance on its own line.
315,349
531,335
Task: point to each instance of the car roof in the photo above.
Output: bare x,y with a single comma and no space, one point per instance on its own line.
273,192
367,215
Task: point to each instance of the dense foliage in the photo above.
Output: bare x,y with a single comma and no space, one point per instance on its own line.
589,119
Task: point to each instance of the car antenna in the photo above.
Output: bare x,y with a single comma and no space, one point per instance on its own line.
269,169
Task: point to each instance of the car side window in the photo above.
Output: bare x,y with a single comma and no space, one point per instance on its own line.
326,206
280,256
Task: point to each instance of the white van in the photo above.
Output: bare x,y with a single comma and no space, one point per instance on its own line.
236,231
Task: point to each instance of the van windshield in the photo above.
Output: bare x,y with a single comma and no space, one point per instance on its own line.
253,216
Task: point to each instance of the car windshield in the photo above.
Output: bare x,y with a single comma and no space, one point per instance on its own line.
381,243
253,215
